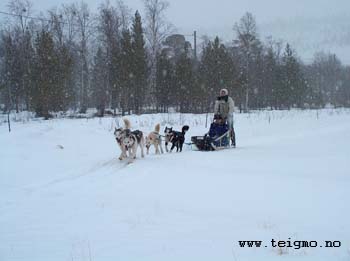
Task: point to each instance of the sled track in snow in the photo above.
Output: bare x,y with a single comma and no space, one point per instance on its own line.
113,165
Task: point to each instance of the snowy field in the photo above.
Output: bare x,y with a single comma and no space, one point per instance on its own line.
66,196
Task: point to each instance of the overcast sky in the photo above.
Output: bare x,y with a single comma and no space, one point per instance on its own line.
275,17
188,15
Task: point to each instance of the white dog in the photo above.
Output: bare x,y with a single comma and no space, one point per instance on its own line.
129,141
155,139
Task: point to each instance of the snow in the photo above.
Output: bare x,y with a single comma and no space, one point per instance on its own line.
66,196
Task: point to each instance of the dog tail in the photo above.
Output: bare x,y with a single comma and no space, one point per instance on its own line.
157,128
185,129
127,124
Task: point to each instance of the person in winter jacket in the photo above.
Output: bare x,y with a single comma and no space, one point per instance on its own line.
224,107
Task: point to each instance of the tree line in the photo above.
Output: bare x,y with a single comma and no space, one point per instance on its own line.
118,62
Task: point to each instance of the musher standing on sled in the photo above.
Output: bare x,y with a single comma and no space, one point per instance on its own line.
224,106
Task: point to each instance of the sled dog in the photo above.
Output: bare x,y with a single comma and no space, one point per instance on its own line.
155,139
177,138
129,141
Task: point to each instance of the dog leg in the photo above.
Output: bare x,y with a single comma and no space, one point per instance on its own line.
129,151
142,144
142,154
131,155
131,160
156,146
166,146
161,148
134,152
172,147
181,144
123,153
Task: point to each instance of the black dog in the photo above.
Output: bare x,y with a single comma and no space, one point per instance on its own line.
175,137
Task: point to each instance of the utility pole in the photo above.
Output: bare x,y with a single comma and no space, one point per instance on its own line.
10,107
195,45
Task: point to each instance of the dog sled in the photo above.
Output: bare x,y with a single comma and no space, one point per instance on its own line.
218,137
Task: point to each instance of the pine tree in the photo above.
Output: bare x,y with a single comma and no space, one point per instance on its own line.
344,92
126,72
13,71
293,84
44,74
63,79
110,24
8,72
27,63
270,79
99,82
139,64
184,81
217,71
164,82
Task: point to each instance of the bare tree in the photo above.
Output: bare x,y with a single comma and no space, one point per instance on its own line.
110,24
157,29
85,27
57,25
246,31
21,9
327,70
69,17
124,13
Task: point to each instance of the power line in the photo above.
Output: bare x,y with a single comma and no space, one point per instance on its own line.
26,16
44,19
60,22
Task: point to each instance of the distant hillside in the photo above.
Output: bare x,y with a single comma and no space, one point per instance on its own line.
307,36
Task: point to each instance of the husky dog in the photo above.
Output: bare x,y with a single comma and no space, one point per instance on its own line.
133,140
177,138
129,141
119,135
155,139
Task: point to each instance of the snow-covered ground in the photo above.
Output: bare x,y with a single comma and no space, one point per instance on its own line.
65,195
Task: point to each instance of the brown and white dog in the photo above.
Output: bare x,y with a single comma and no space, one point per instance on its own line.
155,139
129,141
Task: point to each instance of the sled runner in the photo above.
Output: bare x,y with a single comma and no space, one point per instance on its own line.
217,138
